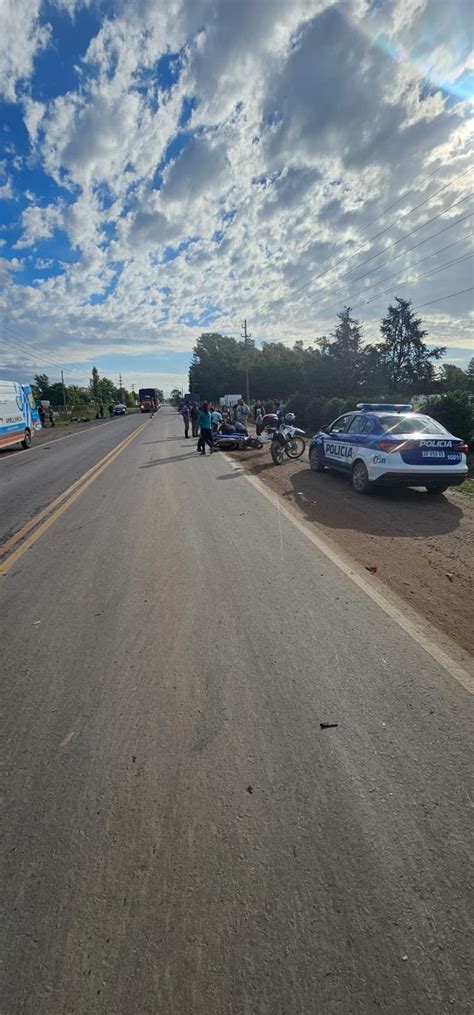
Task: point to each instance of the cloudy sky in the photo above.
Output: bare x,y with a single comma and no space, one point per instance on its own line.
169,167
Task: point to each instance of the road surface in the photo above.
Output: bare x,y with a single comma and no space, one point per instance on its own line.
179,834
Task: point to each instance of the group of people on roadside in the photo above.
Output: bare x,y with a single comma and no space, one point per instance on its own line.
206,420
42,415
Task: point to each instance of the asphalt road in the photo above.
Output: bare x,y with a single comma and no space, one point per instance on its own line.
179,834
29,480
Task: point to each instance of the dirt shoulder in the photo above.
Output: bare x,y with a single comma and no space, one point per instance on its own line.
422,548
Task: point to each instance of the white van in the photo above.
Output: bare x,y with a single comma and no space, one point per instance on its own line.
18,415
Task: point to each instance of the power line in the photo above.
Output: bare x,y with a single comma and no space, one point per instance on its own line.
403,282
381,281
35,355
395,243
420,243
447,297
360,246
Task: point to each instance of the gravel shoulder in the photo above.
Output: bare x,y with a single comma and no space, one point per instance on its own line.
423,549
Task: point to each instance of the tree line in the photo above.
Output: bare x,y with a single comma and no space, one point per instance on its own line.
99,391
335,372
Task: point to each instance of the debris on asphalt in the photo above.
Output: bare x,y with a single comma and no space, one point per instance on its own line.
249,789
449,575
371,567
134,758
327,725
35,622
404,958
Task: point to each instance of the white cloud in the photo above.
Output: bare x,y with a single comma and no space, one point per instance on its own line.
21,36
301,129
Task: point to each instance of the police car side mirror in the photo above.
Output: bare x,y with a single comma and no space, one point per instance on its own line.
324,429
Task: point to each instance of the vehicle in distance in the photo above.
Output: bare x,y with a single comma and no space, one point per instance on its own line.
148,399
382,444
120,410
19,416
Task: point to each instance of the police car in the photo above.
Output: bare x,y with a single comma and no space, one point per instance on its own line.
381,444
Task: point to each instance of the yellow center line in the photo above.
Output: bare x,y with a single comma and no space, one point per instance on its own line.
58,506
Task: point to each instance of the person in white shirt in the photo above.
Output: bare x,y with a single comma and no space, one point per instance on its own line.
216,419
241,412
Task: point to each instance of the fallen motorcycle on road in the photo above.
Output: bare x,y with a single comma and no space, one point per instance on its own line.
285,438
235,437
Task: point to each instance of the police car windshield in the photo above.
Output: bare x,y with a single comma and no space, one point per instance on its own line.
414,423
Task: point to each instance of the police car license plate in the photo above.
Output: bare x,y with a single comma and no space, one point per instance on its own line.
432,454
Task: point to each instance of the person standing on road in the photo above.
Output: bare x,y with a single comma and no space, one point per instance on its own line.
185,415
193,412
101,411
51,415
41,414
204,421
111,410
241,412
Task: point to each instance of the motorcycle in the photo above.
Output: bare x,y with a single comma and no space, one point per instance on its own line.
286,439
234,437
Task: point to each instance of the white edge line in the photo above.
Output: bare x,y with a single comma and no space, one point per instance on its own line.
426,641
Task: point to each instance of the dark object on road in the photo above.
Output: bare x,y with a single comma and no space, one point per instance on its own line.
42,415
371,567
101,411
111,410
249,789
327,725
449,575
51,416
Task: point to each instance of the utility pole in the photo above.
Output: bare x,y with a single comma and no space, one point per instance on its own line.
64,392
120,387
246,337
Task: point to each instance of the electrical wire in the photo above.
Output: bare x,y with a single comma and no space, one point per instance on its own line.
360,246
447,297
426,274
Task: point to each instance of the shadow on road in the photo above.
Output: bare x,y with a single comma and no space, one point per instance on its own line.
329,499
163,440
168,461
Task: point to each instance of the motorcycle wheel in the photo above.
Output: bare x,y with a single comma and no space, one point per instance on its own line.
295,447
255,442
277,452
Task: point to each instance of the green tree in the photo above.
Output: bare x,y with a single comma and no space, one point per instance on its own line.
452,378
345,350
94,384
175,397
41,386
106,391
470,374
454,411
404,356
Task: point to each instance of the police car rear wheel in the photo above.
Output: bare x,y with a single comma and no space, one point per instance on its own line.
315,462
436,491
360,478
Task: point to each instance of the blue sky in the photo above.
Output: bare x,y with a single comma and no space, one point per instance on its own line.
169,167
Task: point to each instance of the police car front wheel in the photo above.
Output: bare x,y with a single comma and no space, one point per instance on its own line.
315,462
360,478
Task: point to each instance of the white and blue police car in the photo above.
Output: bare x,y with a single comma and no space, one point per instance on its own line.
382,443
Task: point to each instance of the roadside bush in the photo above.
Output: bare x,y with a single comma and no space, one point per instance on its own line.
297,403
454,411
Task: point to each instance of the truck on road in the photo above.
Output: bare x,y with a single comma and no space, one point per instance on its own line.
148,399
19,417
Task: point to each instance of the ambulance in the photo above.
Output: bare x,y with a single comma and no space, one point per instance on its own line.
19,417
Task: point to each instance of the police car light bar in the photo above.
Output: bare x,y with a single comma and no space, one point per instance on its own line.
382,406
